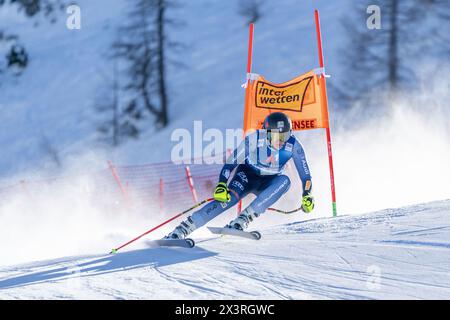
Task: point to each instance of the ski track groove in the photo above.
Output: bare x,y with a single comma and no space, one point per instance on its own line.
250,271
187,283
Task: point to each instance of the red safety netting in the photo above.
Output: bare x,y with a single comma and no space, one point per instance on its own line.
165,187
159,188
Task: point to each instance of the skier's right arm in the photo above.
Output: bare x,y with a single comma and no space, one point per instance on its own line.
234,159
221,192
226,172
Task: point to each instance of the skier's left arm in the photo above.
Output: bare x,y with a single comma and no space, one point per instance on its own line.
301,163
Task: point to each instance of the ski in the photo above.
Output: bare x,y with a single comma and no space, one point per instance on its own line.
255,235
185,243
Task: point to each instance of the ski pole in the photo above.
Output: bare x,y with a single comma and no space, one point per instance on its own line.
285,212
160,225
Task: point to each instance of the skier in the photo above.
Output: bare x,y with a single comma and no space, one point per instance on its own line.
258,163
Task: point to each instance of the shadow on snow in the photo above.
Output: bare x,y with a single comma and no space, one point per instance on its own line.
79,267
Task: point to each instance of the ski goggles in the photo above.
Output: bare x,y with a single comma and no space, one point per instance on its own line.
274,137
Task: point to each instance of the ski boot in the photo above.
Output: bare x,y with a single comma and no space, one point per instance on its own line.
182,230
243,220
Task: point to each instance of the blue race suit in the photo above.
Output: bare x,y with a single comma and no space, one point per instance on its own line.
258,169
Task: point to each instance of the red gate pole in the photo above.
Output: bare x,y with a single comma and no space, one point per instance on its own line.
323,87
119,182
191,184
247,89
249,70
161,195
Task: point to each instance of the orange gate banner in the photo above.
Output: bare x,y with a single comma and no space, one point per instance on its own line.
302,99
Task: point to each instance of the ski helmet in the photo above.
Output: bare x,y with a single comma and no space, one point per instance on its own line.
278,126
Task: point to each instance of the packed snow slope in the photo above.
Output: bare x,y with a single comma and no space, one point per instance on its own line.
389,254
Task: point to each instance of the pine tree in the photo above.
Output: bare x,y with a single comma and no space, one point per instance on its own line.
116,124
381,62
142,44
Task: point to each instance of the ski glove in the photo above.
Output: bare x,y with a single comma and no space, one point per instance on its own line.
307,203
221,192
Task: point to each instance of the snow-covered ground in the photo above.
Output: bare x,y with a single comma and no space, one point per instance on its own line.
399,253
